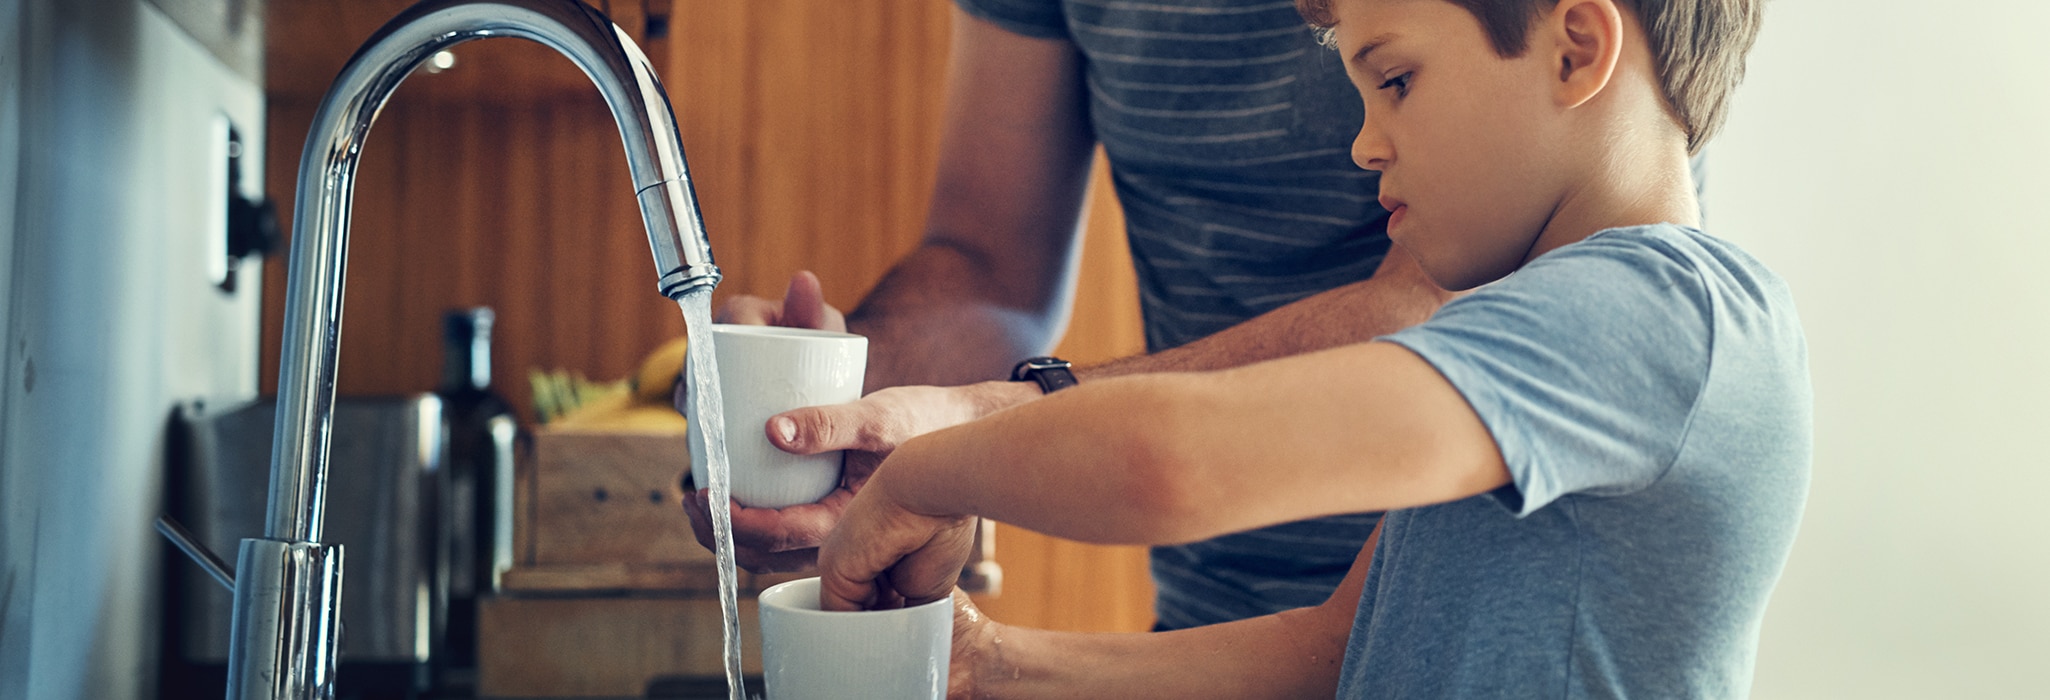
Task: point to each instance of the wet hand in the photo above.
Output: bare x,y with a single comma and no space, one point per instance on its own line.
975,649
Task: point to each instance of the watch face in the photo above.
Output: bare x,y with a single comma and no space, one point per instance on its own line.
1031,367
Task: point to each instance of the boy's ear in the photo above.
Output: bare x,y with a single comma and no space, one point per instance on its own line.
1587,38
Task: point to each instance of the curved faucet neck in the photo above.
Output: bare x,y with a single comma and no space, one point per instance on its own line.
288,584
639,105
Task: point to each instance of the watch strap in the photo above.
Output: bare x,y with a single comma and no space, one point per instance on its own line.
1051,373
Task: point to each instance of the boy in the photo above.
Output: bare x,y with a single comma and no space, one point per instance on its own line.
1595,465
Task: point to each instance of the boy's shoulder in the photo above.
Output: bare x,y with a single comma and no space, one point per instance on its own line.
1626,272
1665,248
1619,335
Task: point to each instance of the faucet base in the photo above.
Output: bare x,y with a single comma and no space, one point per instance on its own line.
288,599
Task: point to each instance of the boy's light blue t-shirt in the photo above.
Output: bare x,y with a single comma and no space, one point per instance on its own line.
1648,388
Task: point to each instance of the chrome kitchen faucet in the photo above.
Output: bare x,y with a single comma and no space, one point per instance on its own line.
288,584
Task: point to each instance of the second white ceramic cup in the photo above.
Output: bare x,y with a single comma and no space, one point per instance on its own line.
810,654
766,370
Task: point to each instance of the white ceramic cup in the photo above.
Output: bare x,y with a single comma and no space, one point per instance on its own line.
810,654
766,370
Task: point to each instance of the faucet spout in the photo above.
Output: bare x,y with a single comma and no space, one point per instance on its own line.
285,603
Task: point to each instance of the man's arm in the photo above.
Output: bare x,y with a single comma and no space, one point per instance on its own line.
1398,296
992,279
989,283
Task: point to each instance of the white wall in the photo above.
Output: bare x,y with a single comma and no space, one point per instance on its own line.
1888,157
14,484
111,321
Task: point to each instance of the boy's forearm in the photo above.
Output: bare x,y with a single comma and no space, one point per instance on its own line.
1086,464
1177,457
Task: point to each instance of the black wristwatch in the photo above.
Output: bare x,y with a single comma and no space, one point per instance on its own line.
1051,372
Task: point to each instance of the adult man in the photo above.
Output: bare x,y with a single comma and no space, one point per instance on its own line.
1254,235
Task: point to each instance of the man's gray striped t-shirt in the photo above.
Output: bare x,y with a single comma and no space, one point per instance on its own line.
1228,130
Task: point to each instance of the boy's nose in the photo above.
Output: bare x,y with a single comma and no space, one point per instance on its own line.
1370,149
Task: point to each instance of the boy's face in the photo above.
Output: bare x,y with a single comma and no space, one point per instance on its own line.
1458,133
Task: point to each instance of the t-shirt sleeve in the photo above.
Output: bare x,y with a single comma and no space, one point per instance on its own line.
1585,365
1034,18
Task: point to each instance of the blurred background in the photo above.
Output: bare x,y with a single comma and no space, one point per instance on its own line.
1882,155
1885,157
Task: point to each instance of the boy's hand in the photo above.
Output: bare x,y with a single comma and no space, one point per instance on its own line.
770,540
882,555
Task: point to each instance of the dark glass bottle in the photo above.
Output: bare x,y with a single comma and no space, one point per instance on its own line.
474,488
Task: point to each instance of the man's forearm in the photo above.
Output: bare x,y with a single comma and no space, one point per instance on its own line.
1398,296
933,321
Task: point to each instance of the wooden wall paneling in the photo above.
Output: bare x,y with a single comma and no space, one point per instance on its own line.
563,195
477,256
373,305
423,236
810,145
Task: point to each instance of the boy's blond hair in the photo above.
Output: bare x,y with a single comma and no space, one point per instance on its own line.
1698,47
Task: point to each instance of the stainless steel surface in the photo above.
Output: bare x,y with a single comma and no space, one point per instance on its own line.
313,301
385,471
297,585
205,558
981,573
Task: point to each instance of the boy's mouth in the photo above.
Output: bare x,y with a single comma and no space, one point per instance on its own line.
1396,209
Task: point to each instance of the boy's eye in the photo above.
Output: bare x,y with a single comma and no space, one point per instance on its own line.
1400,83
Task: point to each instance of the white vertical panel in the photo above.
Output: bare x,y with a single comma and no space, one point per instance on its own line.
17,506
110,306
1888,157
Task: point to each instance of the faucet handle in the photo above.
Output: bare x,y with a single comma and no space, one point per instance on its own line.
202,556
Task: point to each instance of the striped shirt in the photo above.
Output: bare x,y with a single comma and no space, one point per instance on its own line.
1228,130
